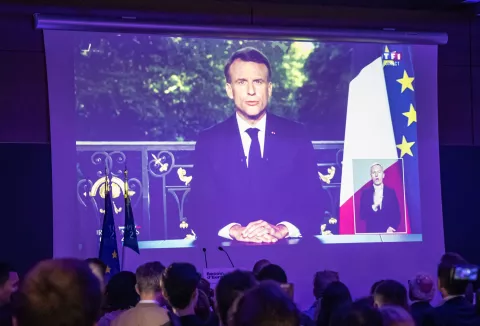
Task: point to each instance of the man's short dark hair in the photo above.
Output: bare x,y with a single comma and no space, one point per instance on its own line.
247,54
148,276
179,281
265,304
5,270
273,272
229,287
97,262
452,258
259,265
374,286
59,292
121,293
447,263
393,293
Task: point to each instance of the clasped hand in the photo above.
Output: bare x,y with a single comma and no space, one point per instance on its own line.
259,232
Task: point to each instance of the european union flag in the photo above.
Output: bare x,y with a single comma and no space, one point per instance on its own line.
399,78
129,232
108,244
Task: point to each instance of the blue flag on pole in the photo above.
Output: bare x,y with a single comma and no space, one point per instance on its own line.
108,244
129,232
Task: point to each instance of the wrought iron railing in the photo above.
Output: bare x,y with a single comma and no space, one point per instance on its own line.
160,175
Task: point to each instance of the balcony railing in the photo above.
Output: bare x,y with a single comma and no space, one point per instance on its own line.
159,181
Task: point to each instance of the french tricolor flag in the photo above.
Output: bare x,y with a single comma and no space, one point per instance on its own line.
369,138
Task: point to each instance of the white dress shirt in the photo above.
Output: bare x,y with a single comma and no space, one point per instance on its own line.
243,126
149,301
377,197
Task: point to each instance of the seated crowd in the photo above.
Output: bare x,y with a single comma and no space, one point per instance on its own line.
71,292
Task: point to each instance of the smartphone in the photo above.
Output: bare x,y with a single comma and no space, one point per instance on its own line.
288,288
463,273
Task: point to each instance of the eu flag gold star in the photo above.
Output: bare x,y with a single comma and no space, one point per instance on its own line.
405,147
107,270
114,254
411,115
406,81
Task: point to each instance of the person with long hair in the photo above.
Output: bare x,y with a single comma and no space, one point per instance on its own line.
336,297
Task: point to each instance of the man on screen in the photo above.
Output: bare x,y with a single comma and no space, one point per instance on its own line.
379,205
255,177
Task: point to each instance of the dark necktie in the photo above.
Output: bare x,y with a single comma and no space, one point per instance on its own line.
254,154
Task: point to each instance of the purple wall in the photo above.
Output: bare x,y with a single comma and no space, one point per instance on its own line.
24,105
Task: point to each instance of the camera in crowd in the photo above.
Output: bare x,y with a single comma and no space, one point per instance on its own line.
464,274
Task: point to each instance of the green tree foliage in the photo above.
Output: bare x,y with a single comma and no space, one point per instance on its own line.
322,100
149,87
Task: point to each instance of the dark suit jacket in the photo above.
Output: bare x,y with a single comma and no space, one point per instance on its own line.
388,215
454,312
287,187
419,310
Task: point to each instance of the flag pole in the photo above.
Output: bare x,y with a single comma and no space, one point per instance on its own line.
104,207
125,193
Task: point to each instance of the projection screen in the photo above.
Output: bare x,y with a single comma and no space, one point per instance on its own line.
266,144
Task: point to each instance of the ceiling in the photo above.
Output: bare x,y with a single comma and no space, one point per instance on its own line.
429,5
381,4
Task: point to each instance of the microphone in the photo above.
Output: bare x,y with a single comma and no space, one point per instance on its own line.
226,253
205,255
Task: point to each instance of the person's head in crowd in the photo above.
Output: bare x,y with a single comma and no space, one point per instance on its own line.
452,258
99,269
259,265
360,313
321,280
421,288
273,272
229,287
266,304
446,287
179,284
206,287
59,292
374,286
202,308
121,293
148,278
393,315
9,282
391,292
335,297
366,301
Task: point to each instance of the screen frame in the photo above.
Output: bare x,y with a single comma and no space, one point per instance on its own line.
132,25
67,244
